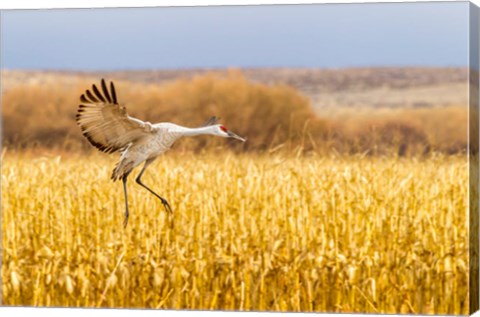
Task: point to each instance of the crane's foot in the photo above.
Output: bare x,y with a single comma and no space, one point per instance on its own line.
171,223
166,205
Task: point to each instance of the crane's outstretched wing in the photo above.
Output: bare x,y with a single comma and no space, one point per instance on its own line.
211,121
105,123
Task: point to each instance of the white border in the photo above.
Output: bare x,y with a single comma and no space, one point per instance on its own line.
47,4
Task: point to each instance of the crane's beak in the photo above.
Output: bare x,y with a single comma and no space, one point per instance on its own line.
233,135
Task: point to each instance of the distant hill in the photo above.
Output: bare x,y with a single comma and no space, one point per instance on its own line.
330,90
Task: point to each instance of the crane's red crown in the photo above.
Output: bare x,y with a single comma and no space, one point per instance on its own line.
223,128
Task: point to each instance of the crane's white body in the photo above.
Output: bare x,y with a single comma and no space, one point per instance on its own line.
108,127
159,139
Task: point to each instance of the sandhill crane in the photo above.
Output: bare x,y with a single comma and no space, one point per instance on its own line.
108,127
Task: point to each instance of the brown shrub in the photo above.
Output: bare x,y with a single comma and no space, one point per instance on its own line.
267,115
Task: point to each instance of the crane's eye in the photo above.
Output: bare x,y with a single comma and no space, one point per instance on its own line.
223,128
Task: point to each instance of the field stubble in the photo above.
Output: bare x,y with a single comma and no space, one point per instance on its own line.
249,232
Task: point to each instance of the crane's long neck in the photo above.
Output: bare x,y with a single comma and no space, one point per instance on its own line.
196,131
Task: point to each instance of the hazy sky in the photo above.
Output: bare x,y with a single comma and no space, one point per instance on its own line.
321,35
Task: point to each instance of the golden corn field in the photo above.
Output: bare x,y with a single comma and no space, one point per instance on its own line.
249,232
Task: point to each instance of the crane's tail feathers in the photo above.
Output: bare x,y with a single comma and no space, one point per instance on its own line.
121,170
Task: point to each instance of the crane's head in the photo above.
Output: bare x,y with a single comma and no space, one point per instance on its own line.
224,132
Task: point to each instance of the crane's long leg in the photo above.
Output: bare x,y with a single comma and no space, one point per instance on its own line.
139,181
124,179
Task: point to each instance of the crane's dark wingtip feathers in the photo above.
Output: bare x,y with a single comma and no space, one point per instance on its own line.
211,121
114,94
97,93
92,98
105,91
105,95
83,99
